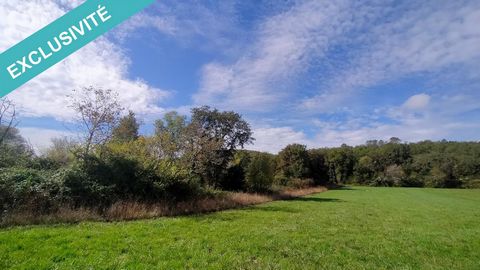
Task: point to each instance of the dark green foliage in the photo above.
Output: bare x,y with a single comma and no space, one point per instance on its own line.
340,163
23,188
293,161
185,158
127,128
431,164
95,181
229,126
234,179
317,167
260,172
364,169
214,137
14,150
102,181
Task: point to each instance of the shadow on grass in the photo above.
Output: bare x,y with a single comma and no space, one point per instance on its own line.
315,199
344,188
238,213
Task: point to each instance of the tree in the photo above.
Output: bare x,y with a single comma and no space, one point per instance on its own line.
61,151
364,169
228,126
98,112
8,118
395,175
260,172
213,137
172,123
340,162
443,175
170,136
318,169
293,161
395,154
127,128
14,150
395,140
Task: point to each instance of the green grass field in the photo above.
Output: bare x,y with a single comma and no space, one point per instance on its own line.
358,228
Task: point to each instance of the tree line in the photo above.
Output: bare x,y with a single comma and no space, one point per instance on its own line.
194,156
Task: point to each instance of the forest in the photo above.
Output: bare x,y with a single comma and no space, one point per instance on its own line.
199,155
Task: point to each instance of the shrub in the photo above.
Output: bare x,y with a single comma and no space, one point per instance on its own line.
393,176
23,188
94,181
82,189
381,181
441,178
301,183
281,179
364,169
472,183
260,172
234,179
318,169
412,181
293,161
61,152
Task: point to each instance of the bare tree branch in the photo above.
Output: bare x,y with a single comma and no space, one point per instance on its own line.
8,118
98,111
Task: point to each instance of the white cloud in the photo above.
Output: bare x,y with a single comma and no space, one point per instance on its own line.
100,64
378,43
417,102
417,37
423,38
163,24
197,24
41,138
274,139
264,72
438,120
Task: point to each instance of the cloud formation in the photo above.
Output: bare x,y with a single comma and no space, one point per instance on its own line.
417,102
424,37
263,75
40,138
419,117
101,64
316,72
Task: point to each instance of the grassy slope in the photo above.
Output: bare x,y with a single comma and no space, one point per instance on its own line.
362,228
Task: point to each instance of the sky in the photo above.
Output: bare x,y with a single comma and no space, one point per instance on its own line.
319,73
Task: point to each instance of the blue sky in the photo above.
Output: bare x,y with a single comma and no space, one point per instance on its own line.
321,73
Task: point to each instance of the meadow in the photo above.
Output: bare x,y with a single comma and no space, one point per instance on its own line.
349,228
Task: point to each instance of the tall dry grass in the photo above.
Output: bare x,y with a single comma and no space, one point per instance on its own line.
131,210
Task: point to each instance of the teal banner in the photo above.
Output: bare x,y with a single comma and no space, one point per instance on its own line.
61,38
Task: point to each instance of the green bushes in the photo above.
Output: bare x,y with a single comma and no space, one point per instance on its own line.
187,159
260,172
29,189
318,170
293,161
430,164
94,181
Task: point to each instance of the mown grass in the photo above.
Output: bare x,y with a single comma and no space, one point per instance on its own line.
358,228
